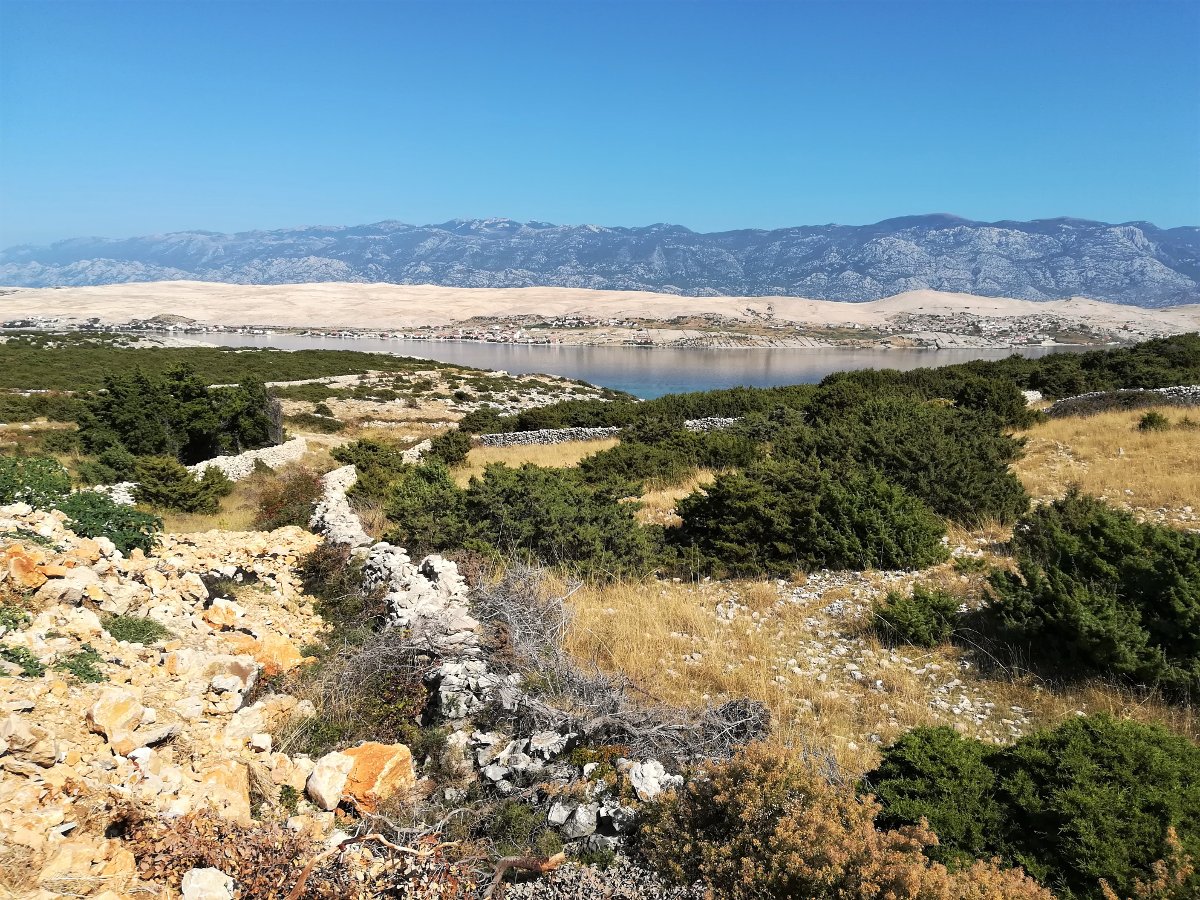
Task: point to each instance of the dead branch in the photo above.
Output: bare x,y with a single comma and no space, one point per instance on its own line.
597,705
298,890
539,865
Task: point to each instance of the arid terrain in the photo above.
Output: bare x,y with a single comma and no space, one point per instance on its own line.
569,315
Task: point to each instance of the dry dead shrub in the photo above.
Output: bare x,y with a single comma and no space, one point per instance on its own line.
525,611
268,861
765,825
1171,876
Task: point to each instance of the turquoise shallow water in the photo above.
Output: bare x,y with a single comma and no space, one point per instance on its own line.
640,371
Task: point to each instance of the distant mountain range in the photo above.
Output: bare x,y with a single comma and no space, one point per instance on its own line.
1134,263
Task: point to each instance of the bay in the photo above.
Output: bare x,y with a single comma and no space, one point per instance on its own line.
643,372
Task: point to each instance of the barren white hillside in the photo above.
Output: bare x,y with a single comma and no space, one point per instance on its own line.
353,305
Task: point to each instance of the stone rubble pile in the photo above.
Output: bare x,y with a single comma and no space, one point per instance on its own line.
243,464
333,516
174,725
1129,398
546,436
711,423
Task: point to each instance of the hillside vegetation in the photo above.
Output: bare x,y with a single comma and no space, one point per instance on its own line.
876,648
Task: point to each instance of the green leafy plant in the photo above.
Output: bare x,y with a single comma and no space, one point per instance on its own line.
84,664
13,617
136,629
19,656
92,514
37,480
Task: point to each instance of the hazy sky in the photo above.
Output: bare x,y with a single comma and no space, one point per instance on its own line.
120,118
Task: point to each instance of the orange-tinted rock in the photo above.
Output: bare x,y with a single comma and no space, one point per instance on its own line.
380,771
54,570
223,613
274,652
21,566
225,784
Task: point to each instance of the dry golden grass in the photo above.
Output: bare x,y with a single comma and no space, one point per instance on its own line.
651,631
1107,456
237,513
553,456
668,638
658,506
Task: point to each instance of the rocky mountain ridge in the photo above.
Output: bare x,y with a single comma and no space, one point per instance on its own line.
1134,263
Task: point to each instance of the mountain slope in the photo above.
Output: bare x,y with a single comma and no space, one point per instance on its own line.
1135,263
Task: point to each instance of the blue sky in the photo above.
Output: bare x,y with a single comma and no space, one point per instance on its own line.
137,117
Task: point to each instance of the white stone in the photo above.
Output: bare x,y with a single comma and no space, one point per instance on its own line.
328,779
207,884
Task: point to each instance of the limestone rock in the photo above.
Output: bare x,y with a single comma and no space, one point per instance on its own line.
207,884
116,715
380,771
327,782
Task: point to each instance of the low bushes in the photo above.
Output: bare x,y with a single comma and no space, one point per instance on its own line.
426,508
777,517
1099,592
549,515
92,514
162,482
36,480
1093,799
44,483
764,826
450,447
313,422
287,500
925,618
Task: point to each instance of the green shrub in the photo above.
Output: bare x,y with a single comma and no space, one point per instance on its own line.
175,414
112,465
1099,592
92,514
517,828
777,517
136,629
288,500
19,656
955,460
60,440
37,480
376,465
485,420
426,508
451,447
767,826
165,484
84,664
1093,798
553,516
317,423
1153,421
925,618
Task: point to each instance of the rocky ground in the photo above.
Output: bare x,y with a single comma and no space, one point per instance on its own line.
168,723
